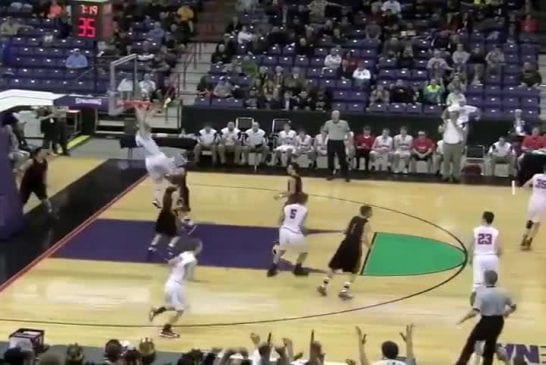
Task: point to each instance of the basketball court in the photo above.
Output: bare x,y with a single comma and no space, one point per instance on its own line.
96,284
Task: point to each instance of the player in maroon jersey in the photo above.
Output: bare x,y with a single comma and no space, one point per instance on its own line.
34,178
363,146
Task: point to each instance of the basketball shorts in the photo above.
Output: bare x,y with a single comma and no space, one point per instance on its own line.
159,165
481,264
536,210
175,296
380,154
286,148
403,153
292,241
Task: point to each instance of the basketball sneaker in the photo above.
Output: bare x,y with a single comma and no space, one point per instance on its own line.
151,251
156,204
300,271
345,295
273,271
167,332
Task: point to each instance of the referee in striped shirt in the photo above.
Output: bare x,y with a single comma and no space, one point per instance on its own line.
338,130
493,304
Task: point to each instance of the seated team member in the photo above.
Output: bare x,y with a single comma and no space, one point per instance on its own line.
286,144
382,149
502,152
438,157
402,150
229,142
304,144
255,140
531,143
319,147
363,147
350,148
422,150
206,141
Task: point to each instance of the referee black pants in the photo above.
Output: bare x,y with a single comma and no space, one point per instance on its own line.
487,329
337,148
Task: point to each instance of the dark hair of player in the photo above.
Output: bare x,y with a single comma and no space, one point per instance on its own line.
295,167
36,151
365,210
488,217
297,198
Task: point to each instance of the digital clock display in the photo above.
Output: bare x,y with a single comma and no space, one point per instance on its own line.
92,19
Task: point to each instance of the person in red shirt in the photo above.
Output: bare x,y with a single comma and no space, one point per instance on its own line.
422,150
531,142
363,146
529,24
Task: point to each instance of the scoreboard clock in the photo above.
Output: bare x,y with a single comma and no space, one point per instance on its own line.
92,19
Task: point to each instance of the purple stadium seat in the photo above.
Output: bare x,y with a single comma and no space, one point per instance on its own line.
288,51
403,74
301,61
216,69
355,107
510,48
417,84
340,95
356,52
274,51
321,52
339,106
492,102
493,80
327,83
419,75
529,103
528,48
531,58
475,100
369,64
242,48
286,61
370,44
358,96
510,103
313,83
377,108
329,74
386,74
492,113
397,108
361,86
529,92
358,34
474,90
387,63
52,85
325,43
218,102
270,61
511,69
421,43
357,43
531,114
432,109
511,59
414,109
511,80
511,92
233,103
420,64
16,83
492,91
344,84
317,62
368,54
476,36
244,81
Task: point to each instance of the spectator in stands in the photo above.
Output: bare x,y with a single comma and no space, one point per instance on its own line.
438,62
206,141
303,101
402,93
333,60
389,349
361,75
455,97
406,59
251,101
363,143
502,152
322,101
147,53
245,35
10,27
529,24
221,55
382,149
392,7
204,87
268,91
156,34
422,150
56,10
76,60
229,141
122,43
186,15
223,88
457,83
392,48
234,25
477,75
380,95
530,77
255,141
433,93
372,30
349,64
494,60
288,101
460,57
147,87
295,81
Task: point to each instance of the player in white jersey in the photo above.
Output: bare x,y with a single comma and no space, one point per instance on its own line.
255,140
382,149
484,252
182,267
286,144
402,150
304,145
536,208
157,163
292,234
320,148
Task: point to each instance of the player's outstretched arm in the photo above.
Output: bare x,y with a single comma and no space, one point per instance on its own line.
528,183
361,342
408,339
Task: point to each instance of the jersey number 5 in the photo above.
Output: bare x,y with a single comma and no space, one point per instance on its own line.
293,213
485,239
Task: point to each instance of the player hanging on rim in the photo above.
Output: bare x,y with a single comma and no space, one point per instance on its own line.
536,208
294,185
34,179
348,256
182,267
292,234
157,163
